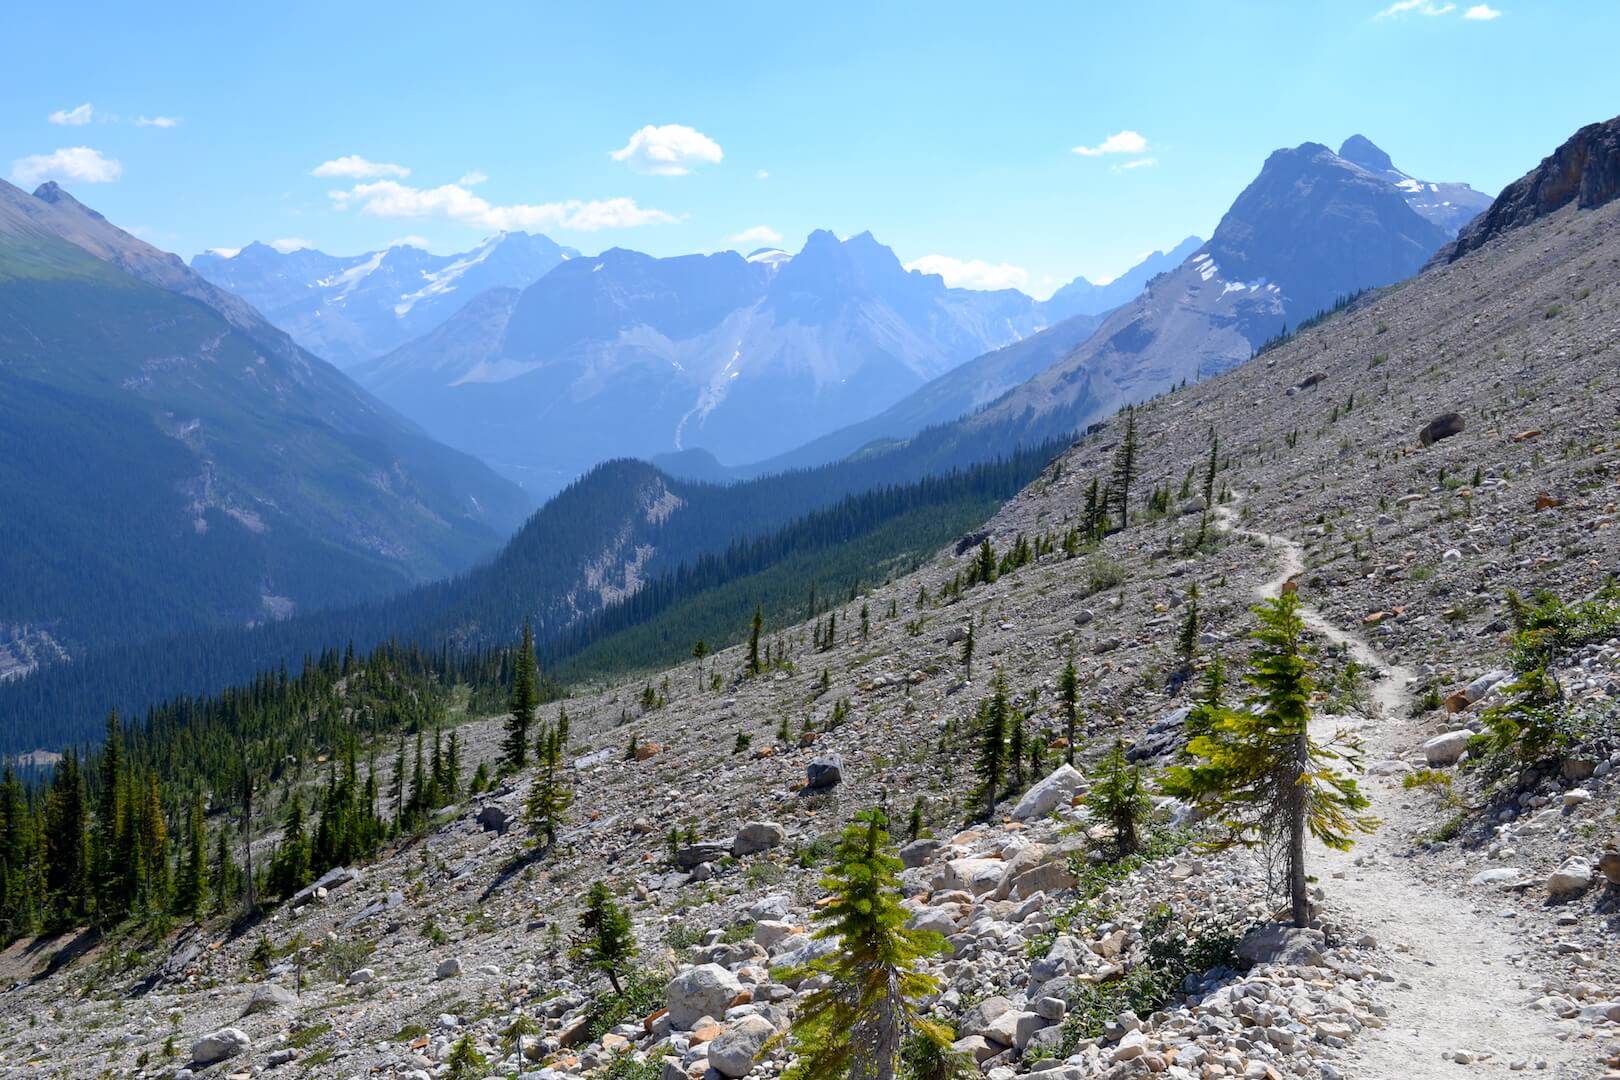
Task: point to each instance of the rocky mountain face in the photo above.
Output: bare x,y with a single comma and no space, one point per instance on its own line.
1403,550
1584,171
1311,229
1081,297
349,309
1449,205
171,462
626,354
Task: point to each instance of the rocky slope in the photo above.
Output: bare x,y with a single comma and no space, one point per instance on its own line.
1473,934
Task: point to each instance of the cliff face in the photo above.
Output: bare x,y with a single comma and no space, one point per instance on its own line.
1585,171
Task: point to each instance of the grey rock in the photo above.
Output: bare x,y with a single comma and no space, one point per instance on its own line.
824,772
268,996
734,1052
222,1044
705,990
757,836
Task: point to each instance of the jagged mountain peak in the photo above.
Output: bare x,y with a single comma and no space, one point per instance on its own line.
1364,152
1585,170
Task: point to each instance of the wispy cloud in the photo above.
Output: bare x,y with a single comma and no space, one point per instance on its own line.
75,117
1429,8
289,244
668,150
1123,142
473,178
157,121
72,163
971,273
355,167
759,235
1136,163
1482,13
391,199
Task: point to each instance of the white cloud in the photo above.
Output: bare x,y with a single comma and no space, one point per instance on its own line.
289,244
225,253
669,150
759,236
73,163
76,117
157,121
356,167
391,199
412,240
1136,163
1419,7
971,273
1123,142
762,175
1482,13
473,179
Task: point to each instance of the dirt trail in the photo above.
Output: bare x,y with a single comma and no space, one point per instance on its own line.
1457,988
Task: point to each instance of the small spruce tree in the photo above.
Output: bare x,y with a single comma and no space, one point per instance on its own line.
856,1025
605,943
1118,798
1269,780
525,698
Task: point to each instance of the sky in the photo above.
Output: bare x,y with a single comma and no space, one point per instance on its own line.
999,144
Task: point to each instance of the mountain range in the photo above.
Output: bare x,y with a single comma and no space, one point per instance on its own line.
169,460
627,354
348,309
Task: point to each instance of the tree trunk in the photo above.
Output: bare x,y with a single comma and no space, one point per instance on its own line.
1298,898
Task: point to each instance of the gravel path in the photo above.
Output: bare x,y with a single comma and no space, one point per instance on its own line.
1459,1002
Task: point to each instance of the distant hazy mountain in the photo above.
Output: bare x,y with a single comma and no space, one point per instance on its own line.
1081,297
347,309
169,461
626,354
1448,205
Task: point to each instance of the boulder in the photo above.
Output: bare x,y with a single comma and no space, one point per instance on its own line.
974,876
734,1052
1055,790
448,969
823,773
1441,427
332,879
1609,864
757,836
222,1044
698,854
1571,879
495,819
1446,749
919,853
1049,877
705,990
267,996
1015,1028
1278,943
977,1020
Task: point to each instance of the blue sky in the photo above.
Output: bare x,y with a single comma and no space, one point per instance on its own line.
949,130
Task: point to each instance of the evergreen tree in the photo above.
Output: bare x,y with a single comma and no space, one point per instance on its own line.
155,879
399,785
984,564
605,943
967,649
18,847
191,886
67,854
699,651
549,796
856,1024
225,879
1069,694
1015,747
1187,639
992,764
525,698
1118,798
290,866
111,901
1268,780
753,641
1124,472
1209,491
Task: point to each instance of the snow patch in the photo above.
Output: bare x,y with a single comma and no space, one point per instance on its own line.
443,281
